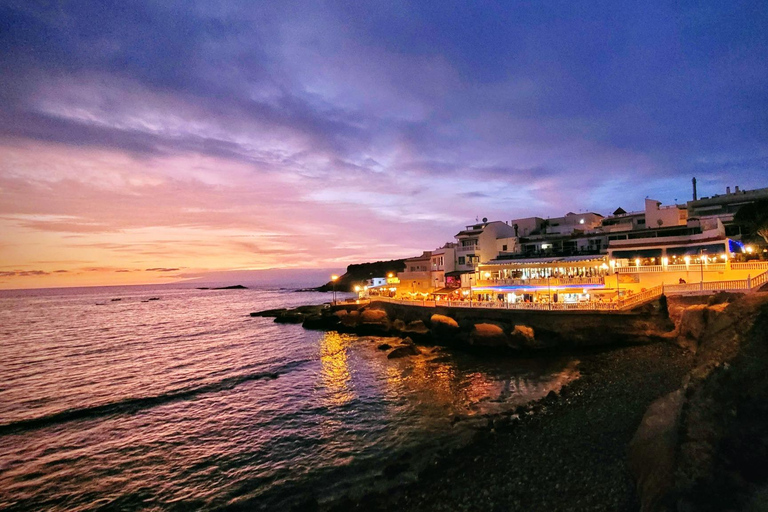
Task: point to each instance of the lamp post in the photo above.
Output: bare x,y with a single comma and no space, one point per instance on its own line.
334,278
549,290
701,269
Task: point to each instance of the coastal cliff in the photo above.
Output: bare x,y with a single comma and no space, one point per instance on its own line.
704,446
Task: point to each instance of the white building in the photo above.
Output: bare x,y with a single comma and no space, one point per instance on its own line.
478,243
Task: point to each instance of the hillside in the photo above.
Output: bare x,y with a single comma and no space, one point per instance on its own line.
359,273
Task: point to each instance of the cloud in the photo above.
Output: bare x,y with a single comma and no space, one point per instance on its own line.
242,135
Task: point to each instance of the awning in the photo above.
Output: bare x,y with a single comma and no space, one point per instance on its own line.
458,273
548,260
445,291
637,253
695,250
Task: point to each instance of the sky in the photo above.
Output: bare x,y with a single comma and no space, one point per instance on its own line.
145,142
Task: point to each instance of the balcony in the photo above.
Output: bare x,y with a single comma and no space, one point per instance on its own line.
466,248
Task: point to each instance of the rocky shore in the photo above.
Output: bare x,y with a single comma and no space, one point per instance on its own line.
566,452
676,425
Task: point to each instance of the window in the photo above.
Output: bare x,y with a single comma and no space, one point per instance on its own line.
461,260
503,247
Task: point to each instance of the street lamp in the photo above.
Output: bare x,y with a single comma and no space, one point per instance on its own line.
334,278
701,267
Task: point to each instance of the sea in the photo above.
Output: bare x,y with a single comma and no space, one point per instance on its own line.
175,398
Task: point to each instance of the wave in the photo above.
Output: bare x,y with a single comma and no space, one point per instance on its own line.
133,405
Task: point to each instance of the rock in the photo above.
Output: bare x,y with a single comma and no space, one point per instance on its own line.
407,341
522,337
320,322
652,453
398,325
374,316
384,346
695,322
444,328
488,335
350,319
289,317
417,327
404,351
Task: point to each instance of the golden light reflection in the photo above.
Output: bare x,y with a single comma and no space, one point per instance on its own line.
335,368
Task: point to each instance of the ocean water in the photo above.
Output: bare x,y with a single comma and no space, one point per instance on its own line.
187,402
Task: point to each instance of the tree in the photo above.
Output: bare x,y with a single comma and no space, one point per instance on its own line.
753,219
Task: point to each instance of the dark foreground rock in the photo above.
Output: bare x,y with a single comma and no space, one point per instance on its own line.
705,447
566,453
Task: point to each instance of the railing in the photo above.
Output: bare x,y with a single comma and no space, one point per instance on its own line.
640,298
554,281
466,248
710,267
530,306
757,281
750,265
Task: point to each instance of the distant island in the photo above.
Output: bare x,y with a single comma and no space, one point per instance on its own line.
233,287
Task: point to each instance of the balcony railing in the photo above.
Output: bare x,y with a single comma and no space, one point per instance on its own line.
554,281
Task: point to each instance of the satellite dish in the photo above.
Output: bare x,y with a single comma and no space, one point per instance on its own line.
485,219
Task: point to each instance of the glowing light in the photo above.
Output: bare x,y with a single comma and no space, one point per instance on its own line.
724,257
750,249
665,261
687,260
637,262
357,288
334,277
487,275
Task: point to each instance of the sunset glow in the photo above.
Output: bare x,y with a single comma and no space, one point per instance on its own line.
144,144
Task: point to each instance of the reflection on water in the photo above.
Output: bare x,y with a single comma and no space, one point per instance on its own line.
189,403
335,368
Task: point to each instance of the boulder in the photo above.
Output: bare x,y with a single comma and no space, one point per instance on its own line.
488,335
404,351
350,319
398,325
374,316
522,337
444,327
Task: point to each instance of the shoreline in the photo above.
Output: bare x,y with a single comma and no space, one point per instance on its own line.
564,452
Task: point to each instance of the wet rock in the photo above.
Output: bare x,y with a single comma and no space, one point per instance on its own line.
374,316
407,341
416,327
289,317
404,351
522,337
384,346
488,335
351,319
320,322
